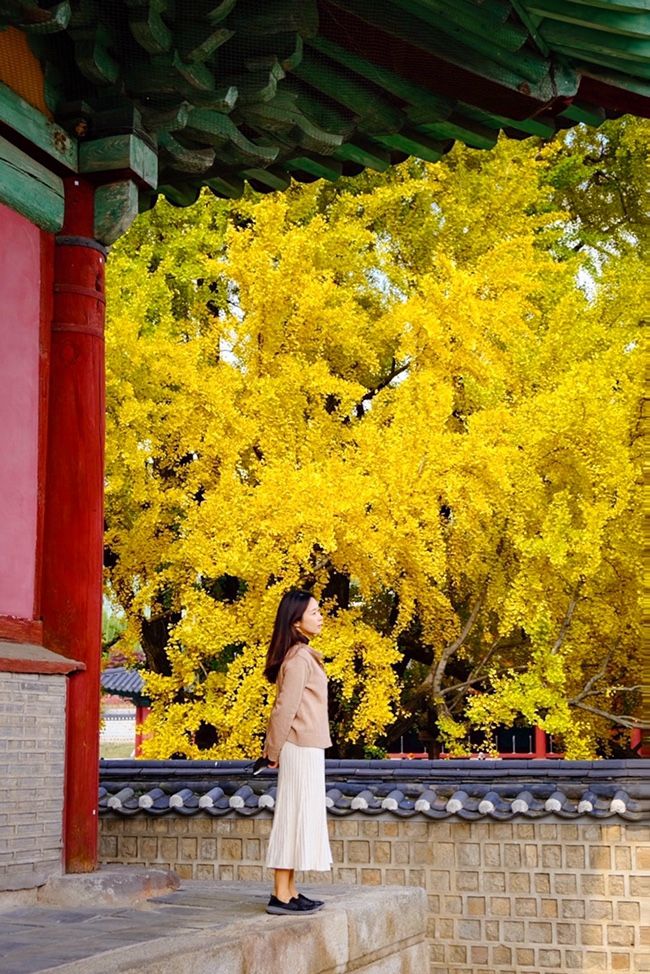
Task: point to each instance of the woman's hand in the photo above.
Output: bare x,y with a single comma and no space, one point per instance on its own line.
273,764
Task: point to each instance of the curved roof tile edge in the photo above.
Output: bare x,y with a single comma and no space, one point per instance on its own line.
621,793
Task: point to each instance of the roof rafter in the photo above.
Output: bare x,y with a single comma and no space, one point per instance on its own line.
238,90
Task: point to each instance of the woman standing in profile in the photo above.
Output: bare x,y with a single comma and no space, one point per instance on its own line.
298,733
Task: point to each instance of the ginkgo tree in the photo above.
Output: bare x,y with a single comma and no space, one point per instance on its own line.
416,393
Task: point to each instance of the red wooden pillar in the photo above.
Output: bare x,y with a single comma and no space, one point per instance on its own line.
73,524
637,742
141,714
540,742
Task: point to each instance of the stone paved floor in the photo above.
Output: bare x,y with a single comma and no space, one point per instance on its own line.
43,938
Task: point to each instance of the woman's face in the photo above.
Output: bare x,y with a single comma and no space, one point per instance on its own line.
311,621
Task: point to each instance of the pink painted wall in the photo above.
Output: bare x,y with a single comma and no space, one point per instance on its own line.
20,294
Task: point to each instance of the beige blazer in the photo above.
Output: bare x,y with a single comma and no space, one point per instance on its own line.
299,713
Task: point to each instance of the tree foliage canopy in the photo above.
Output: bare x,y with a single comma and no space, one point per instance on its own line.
418,393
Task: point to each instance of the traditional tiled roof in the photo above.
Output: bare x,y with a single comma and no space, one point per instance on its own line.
122,682
465,789
260,91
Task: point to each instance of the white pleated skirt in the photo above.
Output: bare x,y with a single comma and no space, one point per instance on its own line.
299,838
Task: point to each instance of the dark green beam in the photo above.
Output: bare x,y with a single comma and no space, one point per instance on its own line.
612,21
524,72
374,113
26,121
437,106
469,22
30,189
581,41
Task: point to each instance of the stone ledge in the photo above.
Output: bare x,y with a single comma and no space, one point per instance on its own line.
21,879
108,886
221,928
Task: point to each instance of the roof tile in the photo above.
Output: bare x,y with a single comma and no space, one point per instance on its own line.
467,790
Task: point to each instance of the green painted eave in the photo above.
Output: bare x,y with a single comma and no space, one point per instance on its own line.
197,93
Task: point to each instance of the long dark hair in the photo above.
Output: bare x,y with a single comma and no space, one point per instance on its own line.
292,606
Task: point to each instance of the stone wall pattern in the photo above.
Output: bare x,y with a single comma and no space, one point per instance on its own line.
32,746
504,897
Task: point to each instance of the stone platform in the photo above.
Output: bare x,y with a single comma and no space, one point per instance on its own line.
218,928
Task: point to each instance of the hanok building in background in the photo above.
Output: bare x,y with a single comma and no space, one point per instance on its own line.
106,105
125,709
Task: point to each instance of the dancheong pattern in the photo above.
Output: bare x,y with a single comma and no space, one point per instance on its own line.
261,91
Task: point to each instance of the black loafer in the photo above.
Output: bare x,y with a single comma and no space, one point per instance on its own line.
313,904
293,908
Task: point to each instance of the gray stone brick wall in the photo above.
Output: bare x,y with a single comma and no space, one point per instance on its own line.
548,897
32,744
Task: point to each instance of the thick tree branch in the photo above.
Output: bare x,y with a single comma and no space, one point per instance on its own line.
588,687
472,678
432,683
624,720
564,628
450,708
395,370
456,687
435,676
